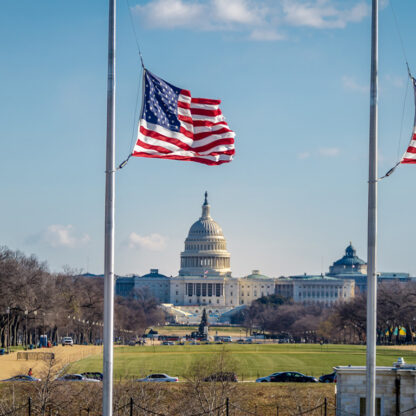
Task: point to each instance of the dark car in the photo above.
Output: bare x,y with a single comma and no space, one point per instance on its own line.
222,376
93,375
328,378
292,377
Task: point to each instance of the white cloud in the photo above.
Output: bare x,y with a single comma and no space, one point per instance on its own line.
57,235
238,11
261,19
172,13
322,14
304,155
153,242
329,151
351,84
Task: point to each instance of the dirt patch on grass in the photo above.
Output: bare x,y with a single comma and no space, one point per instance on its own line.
401,347
11,366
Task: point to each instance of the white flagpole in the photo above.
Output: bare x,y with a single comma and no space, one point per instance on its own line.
372,222
109,218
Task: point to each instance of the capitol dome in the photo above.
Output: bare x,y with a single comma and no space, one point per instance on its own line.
205,248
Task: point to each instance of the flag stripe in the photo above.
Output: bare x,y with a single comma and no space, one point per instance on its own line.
205,161
206,101
156,138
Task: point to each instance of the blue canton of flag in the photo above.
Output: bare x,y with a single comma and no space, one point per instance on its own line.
161,102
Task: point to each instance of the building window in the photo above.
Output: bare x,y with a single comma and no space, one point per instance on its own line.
177,292
218,289
363,406
190,300
209,289
218,301
198,289
231,293
204,289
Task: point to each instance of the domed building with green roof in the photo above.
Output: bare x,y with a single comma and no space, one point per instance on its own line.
349,263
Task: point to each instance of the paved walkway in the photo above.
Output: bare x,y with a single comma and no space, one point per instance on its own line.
11,366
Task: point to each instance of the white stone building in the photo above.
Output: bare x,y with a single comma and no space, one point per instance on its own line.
205,280
321,289
395,390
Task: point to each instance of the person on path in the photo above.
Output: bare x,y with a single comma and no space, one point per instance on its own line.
30,372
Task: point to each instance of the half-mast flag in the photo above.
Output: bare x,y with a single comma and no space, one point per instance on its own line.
174,125
410,155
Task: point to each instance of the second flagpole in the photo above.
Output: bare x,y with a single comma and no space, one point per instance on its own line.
372,223
109,217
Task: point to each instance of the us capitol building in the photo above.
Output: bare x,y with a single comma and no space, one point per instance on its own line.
205,279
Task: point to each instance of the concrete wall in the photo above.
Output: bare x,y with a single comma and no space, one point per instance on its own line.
351,388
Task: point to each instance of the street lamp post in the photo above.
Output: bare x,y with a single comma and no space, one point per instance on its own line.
8,328
35,313
26,313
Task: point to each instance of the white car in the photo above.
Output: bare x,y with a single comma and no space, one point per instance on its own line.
67,341
159,378
77,377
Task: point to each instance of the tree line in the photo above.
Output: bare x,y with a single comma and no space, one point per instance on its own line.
35,301
343,322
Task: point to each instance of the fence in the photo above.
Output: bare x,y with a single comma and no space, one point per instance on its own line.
132,408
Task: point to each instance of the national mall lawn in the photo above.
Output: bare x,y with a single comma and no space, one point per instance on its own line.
249,360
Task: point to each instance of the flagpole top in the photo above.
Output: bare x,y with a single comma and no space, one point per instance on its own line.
206,198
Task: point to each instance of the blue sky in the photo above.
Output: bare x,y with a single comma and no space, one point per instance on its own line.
293,78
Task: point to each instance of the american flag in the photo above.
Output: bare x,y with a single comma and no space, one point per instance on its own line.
173,125
410,155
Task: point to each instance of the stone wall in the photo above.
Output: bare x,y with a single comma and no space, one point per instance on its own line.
395,386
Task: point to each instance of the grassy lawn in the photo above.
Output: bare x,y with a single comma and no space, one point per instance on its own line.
251,361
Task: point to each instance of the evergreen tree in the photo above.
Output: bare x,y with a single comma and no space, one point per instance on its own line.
204,322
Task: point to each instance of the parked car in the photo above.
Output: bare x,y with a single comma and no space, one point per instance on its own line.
168,343
222,376
67,341
266,379
328,378
22,377
288,377
159,378
76,377
93,375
